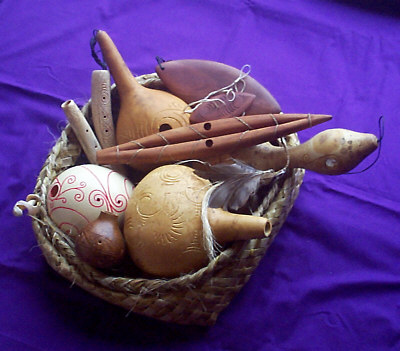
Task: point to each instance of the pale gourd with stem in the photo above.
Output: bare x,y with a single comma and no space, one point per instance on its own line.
331,152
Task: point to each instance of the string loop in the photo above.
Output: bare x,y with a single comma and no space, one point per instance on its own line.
381,134
160,60
93,42
230,90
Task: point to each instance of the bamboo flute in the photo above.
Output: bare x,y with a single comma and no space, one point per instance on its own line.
82,130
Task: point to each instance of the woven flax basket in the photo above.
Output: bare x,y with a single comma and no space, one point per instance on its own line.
195,298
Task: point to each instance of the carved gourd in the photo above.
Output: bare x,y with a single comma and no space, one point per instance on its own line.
143,111
163,226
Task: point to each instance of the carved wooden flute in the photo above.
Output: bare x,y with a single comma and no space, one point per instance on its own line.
213,129
147,158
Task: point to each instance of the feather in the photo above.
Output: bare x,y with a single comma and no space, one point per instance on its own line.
236,183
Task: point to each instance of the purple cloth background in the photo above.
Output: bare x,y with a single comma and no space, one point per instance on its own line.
331,279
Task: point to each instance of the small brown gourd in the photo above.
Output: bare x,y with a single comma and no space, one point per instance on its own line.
101,243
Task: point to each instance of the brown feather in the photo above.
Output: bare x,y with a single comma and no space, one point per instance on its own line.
237,182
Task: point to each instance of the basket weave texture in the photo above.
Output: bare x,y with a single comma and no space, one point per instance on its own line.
195,298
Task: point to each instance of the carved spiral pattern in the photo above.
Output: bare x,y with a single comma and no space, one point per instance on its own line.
170,176
58,190
77,196
145,206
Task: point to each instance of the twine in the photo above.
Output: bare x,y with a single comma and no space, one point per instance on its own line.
159,62
229,89
210,245
93,42
381,135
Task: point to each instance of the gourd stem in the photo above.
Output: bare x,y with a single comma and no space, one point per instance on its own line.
123,77
228,227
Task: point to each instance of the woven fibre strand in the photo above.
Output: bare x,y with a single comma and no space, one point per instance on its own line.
196,298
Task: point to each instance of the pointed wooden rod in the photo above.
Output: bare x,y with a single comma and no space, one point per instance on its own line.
211,129
147,158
